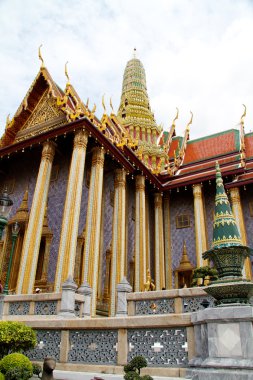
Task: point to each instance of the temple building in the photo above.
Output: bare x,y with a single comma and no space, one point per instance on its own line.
100,200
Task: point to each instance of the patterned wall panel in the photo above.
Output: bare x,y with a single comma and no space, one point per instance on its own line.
182,203
48,345
161,347
93,347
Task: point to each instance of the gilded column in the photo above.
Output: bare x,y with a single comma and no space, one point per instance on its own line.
159,243
93,222
70,220
140,234
147,232
118,235
238,214
31,245
200,228
167,242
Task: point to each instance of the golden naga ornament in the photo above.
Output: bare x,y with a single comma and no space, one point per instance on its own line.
40,57
149,285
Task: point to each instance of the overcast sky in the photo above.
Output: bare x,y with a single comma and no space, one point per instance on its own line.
197,54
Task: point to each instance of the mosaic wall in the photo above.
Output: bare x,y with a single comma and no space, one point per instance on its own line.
131,221
107,209
247,204
182,203
56,200
209,203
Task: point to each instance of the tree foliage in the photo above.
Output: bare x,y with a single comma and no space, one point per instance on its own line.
204,273
15,337
133,369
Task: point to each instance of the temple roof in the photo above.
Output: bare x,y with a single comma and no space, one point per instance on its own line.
212,146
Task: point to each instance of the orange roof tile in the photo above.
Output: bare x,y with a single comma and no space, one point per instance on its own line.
249,145
212,146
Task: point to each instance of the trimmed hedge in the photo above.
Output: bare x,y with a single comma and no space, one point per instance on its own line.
16,366
15,337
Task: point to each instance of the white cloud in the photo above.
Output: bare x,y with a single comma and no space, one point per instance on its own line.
197,54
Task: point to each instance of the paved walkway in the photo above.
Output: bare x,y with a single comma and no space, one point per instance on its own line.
69,375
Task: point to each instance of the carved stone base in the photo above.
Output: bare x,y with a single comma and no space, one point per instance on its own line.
230,292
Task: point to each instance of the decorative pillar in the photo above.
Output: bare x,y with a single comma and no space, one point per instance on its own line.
93,221
140,234
200,226
118,234
167,242
70,220
238,214
32,239
147,232
159,243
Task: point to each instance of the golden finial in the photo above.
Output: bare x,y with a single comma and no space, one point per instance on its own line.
87,103
190,122
103,103
244,114
66,73
8,119
40,57
111,105
134,54
94,109
176,117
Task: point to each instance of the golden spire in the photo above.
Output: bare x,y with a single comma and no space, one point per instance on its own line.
66,73
242,133
40,57
134,53
103,103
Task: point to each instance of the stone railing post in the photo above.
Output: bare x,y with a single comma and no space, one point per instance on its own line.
122,289
1,305
68,298
86,290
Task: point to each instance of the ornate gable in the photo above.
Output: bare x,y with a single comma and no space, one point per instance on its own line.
46,115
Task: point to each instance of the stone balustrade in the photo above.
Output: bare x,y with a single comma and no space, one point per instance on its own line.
175,301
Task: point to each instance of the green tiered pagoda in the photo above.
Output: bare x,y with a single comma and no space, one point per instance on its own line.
227,252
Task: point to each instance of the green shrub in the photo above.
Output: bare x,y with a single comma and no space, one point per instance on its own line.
18,373
15,337
16,366
2,376
37,369
133,369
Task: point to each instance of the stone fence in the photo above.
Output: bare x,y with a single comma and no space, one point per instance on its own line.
155,324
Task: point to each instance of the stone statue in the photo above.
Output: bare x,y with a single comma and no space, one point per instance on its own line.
48,367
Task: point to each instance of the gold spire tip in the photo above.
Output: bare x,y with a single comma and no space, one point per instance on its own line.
111,105
103,103
66,72
190,122
176,117
134,54
244,114
40,57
